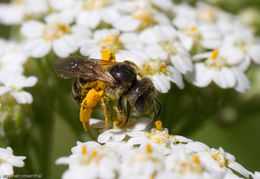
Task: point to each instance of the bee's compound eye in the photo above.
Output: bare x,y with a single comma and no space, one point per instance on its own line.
140,104
123,73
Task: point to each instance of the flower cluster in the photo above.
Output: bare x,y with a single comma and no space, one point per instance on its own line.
168,41
12,80
134,153
7,161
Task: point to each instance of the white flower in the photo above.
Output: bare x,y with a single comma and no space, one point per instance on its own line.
90,160
8,161
138,15
102,39
56,33
14,86
159,71
11,59
133,128
256,175
162,43
246,43
92,12
222,67
143,162
15,12
154,154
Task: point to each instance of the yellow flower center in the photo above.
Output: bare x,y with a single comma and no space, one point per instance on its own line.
56,31
193,29
149,149
146,18
207,15
84,150
154,67
95,4
214,54
220,158
196,159
94,153
189,165
215,61
111,42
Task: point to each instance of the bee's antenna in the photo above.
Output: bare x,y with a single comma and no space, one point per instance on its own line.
156,113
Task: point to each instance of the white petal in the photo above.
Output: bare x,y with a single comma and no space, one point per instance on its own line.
17,161
148,36
6,169
96,123
224,78
175,77
64,46
32,29
156,51
112,135
140,124
182,63
239,168
243,83
126,23
62,160
91,49
22,97
244,65
186,41
201,76
37,47
161,83
254,53
29,81
11,15
4,89
90,19
233,55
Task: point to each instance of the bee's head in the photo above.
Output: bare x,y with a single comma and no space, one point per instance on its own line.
142,95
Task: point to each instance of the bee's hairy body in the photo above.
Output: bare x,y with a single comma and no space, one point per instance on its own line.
99,80
125,78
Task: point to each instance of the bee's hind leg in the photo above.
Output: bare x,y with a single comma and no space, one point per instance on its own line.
86,108
107,112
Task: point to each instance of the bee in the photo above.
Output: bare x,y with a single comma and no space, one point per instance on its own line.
102,80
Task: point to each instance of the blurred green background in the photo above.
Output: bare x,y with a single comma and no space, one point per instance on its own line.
216,117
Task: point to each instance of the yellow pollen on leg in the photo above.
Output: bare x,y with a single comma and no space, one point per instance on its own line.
214,54
84,150
158,125
108,54
149,148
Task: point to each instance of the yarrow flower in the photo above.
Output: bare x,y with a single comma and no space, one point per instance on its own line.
8,161
165,39
136,153
12,80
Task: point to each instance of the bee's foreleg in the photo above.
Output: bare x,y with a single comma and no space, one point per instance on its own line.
156,114
128,111
107,112
86,108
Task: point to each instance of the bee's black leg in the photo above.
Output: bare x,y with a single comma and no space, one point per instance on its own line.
156,114
107,112
128,110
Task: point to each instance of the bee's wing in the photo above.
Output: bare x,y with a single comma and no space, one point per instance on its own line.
84,67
